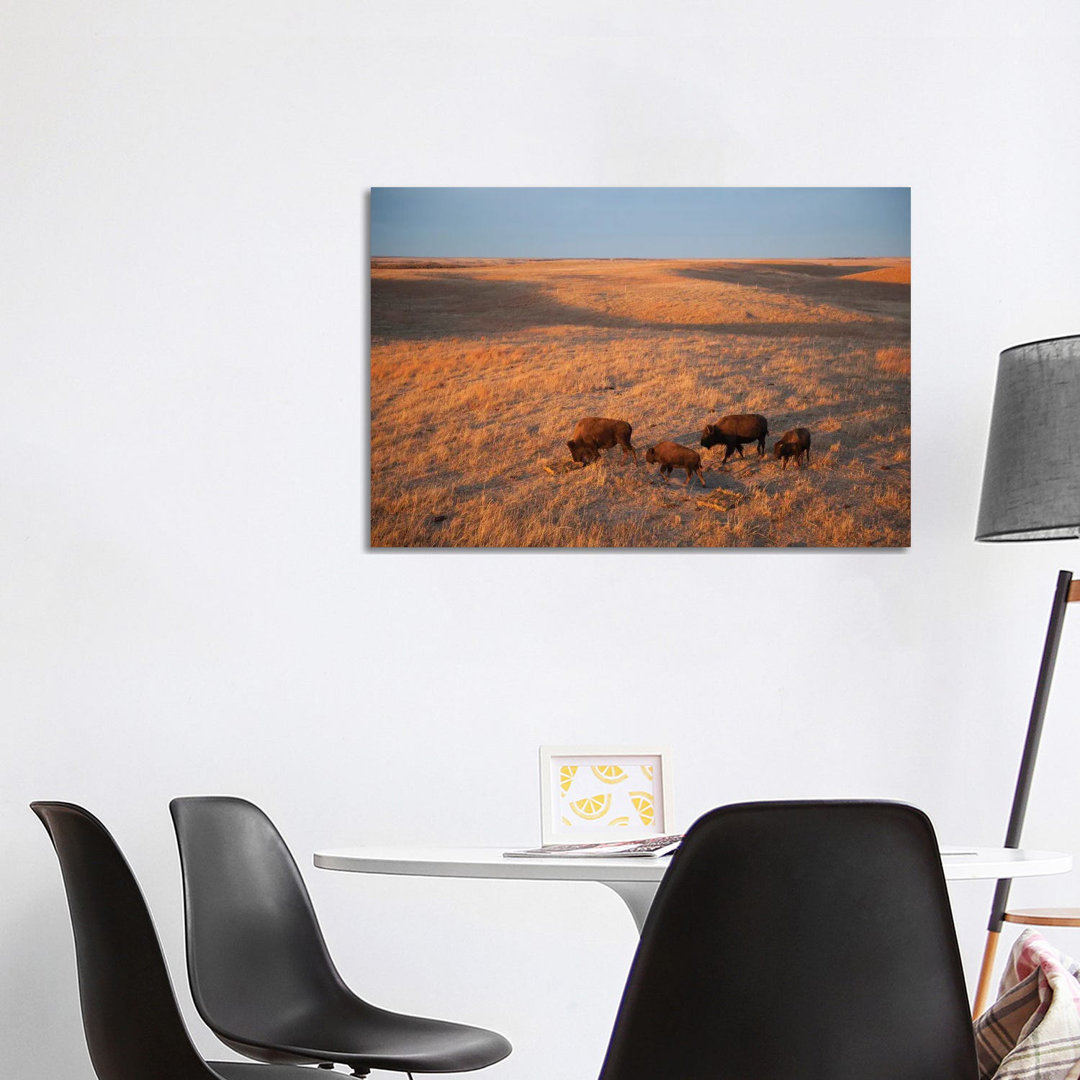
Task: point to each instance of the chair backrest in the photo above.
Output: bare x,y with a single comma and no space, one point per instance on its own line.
132,1022
798,941
255,952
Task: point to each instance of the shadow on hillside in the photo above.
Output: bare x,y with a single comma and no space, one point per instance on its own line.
810,281
812,269
436,305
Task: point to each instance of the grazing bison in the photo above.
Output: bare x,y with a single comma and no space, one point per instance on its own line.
595,433
671,455
733,431
793,443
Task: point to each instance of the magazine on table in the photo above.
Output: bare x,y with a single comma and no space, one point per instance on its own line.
649,847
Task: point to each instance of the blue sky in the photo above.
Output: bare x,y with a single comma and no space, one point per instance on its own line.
673,223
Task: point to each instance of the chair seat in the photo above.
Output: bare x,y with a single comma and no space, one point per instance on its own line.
365,1038
1044,916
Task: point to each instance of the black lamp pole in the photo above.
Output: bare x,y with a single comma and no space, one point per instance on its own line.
1023,780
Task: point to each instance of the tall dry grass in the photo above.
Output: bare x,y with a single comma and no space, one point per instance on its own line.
479,371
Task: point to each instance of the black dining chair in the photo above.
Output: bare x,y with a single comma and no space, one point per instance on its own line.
133,1026
259,969
798,941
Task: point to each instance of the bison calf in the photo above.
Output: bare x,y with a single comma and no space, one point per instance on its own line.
733,431
671,455
793,444
596,433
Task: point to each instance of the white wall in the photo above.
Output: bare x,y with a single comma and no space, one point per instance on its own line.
187,605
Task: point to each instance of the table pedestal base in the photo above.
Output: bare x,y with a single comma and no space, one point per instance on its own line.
637,896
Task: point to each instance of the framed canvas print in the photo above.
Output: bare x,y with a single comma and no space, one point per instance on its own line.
596,793
640,367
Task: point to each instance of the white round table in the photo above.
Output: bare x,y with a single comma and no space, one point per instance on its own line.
636,879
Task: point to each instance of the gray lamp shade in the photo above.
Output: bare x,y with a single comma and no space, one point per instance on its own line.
1031,485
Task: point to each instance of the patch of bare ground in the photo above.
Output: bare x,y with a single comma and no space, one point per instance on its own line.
479,372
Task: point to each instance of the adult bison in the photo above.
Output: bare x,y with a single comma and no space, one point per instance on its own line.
672,455
732,431
596,433
793,444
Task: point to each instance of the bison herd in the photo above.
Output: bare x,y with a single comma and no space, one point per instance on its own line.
596,433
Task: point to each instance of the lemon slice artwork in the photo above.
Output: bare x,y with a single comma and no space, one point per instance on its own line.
592,808
624,820
609,774
647,771
643,804
566,777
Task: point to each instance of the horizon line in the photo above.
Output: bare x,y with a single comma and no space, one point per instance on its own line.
649,258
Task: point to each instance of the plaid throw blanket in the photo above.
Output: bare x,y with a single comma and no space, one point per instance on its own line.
1032,1031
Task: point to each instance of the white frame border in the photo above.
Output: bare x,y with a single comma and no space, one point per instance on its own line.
552,832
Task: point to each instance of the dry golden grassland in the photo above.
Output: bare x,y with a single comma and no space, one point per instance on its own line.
480,369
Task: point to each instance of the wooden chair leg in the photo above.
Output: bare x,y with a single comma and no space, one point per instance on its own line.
982,993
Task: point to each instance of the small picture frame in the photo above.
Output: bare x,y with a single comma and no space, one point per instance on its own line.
596,793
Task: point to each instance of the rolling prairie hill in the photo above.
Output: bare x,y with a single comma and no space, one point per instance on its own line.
481,367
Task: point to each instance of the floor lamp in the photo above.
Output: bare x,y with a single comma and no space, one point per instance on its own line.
1031,491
